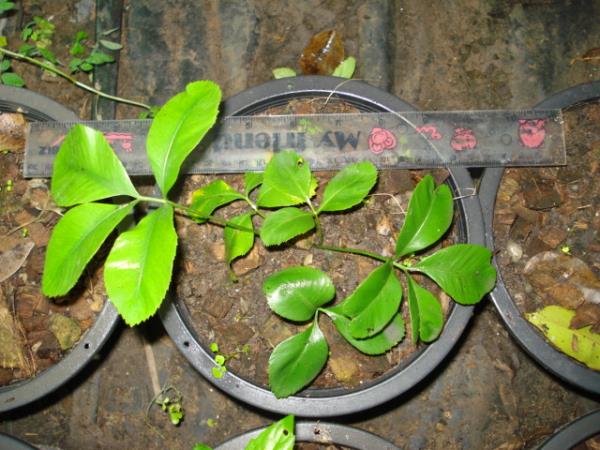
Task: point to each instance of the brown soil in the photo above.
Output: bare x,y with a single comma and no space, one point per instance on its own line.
547,226
236,315
35,332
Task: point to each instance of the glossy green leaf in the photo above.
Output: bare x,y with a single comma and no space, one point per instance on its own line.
295,293
283,72
426,315
374,302
12,79
349,187
179,127
463,271
377,344
277,436
75,239
98,58
346,68
284,224
428,217
201,447
581,344
287,175
297,361
86,169
268,197
238,242
251,181
138,269
210,197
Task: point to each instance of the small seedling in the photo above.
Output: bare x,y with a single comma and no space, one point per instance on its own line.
172,405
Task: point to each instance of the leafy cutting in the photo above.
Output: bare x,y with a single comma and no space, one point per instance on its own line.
282,205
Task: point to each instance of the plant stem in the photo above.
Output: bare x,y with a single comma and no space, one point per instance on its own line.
254,207
68,77
319,228
190,212
354,251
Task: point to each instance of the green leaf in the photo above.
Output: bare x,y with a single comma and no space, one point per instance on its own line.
3,41
87,169
251,181
27,49
295,362
289,177
463,271
349,187
271,198
4,65
75,239
295,293
202,447
12,79
138,269
238,242
377,344
346,68
374,302
429,216
47,55
110,44
277,436
77,48
6,6
426,315
283,72
86,67
178,128
98,57
210,197
74,64
581,344
284,224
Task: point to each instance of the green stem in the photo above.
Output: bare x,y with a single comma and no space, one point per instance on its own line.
68,77
190,211
254,207
319,227
354,251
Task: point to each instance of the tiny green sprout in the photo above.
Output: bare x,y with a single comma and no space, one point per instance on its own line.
211,422
566,249
24,232
218,371
220,360
172,405
214,347
176,413
9,185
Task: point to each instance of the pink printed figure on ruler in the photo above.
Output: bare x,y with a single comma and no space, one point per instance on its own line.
430,132
381,139
532,132
463,139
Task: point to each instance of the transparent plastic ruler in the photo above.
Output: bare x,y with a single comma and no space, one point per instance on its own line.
408,140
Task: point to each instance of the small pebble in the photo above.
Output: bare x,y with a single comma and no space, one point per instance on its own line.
515,251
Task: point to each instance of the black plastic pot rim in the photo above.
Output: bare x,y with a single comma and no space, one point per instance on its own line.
573,433
322,433
525,334
8,442
339,401
37,107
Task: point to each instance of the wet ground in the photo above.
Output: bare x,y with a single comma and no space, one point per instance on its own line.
465,54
